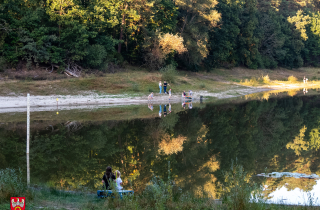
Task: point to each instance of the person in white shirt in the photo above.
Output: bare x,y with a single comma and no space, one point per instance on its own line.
118,180
160,87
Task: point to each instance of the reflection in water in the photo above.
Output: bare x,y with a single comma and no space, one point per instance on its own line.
289,174
279,134
296,196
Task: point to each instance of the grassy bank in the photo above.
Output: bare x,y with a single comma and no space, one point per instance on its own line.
239,189
136,81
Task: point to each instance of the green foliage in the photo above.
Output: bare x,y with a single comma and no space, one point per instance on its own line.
11,185
97,54
238,188
169,73
228,33
2,64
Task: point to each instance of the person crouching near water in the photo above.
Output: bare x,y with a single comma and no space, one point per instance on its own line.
119,180
183,94
150,96
108,177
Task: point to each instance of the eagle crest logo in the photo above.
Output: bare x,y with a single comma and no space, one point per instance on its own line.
18,203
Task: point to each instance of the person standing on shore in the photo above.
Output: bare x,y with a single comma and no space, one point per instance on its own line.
160,87
165,84
169,94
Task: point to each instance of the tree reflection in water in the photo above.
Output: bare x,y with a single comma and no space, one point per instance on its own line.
280,134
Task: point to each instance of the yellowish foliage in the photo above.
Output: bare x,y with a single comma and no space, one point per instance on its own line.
292,93
169,43
298,143
252,82
266,79
300,21
204,8
315,138
292,79
171,145
266,96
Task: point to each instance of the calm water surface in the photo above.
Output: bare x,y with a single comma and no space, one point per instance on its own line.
73,148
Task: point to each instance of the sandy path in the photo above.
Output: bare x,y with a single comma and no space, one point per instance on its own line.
66,102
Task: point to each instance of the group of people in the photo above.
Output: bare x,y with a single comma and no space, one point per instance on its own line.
184,94
109,177
164,110
165,84
184,103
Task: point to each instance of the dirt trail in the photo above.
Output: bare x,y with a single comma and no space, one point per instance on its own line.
47,103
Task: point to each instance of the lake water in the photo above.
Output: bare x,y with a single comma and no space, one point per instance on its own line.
72,148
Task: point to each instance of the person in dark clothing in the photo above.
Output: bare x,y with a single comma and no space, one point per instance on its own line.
165,84
108,177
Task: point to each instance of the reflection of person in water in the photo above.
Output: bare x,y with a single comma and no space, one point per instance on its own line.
190,105
150,106
165,111
183,105
305,90
169,108
160,111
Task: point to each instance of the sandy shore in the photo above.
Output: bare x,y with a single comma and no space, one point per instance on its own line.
65,102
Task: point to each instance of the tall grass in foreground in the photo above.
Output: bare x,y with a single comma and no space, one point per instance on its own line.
239,193
11,185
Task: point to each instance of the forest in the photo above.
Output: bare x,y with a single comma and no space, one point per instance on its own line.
188,34
276,135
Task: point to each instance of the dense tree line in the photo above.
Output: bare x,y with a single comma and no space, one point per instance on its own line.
189,34
280,134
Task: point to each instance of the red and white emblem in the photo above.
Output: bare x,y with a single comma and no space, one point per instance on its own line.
18,203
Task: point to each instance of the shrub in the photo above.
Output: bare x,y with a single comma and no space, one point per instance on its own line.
11,185
292,79
253,81
266,79
135,87
97,54
168,73
151,89
239,190
202,85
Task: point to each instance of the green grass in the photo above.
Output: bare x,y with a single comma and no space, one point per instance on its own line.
131,82
158,194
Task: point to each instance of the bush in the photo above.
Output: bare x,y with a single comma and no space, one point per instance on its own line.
11,185
202,85
266,79
292,79
135,87
97,54
252,82
169,73
239,190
